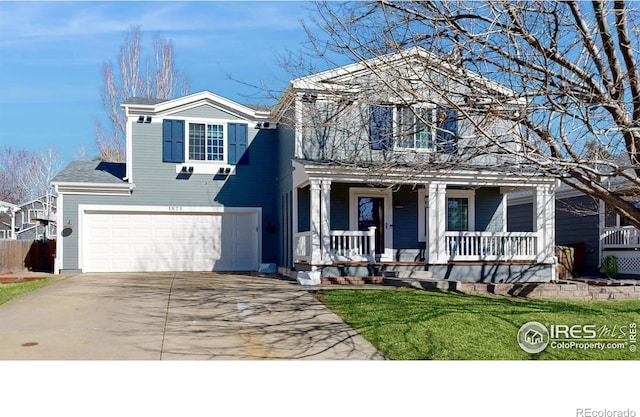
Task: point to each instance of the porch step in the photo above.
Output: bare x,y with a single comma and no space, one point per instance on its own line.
408,274
352,280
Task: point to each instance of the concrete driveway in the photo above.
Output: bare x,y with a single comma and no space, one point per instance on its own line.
171,316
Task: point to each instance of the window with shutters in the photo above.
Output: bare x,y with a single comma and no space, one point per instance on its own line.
418,128
200,142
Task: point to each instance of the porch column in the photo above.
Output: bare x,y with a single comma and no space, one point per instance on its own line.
315,227
13,223
544,219
325,219
437,221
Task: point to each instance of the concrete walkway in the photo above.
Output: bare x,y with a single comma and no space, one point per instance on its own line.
175,316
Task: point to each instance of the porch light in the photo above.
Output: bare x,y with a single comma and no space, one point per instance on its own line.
398,204
68,225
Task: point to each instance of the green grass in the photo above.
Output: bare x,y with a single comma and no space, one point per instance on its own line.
10,292
412,324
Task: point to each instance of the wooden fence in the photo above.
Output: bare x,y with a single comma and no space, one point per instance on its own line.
27,255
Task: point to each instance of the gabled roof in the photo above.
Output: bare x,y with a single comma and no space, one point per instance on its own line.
335,80
137,105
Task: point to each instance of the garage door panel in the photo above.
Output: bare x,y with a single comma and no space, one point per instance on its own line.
149,242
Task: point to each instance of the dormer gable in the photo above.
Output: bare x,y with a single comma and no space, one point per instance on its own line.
178,115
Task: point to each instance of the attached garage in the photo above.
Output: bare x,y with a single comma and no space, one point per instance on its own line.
150,239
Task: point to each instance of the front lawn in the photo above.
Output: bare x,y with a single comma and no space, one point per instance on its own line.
414,324
12,291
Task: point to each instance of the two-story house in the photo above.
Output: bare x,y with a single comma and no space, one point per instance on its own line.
355,179
382,168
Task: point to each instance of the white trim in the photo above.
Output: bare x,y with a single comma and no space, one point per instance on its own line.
194,100
423,215
93,188
129,151
470,195
387,195
208,122
84,209
59,261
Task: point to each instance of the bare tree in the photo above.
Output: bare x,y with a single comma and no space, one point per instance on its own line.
25,175
570,70
137,77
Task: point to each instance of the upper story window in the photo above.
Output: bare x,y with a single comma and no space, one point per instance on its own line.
415,127
204,142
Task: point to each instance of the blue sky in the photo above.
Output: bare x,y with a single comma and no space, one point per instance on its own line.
51,54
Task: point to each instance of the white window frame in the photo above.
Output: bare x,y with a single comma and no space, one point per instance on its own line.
206,123
397,121
470,195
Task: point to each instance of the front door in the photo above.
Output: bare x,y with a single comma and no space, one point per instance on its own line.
370,207
371,213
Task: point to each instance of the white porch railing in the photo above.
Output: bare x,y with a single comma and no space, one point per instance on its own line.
620,237
352,245
491,246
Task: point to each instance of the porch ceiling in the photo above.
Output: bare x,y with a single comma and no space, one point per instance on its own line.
305,171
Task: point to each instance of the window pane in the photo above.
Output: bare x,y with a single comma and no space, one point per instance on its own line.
457,214
423,128
215,143
196,142
407,128
415,128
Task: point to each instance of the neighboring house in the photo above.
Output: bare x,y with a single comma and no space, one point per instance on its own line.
8,220
371,184
589,227
34,220
210,184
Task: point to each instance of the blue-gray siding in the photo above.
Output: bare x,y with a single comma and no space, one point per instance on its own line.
576,226
156,183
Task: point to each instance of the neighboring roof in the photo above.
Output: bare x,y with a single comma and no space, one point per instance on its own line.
39,199
7,205
92,172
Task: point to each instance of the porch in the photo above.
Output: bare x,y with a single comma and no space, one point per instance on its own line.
621,240
453,227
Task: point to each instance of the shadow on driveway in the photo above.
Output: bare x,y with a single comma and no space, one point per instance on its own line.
175,316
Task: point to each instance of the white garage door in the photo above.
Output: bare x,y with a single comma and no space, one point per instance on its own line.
146,242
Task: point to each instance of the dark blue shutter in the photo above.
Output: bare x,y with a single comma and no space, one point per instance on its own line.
447,130
381,127
173,141
237,138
